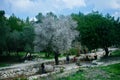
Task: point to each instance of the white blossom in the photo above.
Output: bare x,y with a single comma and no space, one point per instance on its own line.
56,32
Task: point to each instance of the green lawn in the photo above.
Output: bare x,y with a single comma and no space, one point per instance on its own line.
112,69
3,64
78,76
116,53
111,72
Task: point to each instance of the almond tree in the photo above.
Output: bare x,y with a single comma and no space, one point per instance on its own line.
55,34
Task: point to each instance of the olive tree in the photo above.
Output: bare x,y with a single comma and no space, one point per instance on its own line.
96,31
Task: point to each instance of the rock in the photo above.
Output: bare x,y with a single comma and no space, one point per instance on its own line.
19,73
57,69
94,62
34,70
49,68
4,76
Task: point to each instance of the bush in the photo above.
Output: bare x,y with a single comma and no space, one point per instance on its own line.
73,51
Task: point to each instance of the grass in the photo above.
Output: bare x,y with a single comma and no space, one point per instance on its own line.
3,64
114,69
77,76
115,53
110,72
6,60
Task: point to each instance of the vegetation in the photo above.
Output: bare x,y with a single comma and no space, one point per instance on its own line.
115,53
61,32
77,76
54,35
113,69
96,30
110,72
16,35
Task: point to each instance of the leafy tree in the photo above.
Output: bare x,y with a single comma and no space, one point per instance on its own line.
28,38
117,31
15,23
96,31
55,33
4,31
39,18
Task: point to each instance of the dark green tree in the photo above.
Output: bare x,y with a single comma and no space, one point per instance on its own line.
4,31
39,18
15,23
96,31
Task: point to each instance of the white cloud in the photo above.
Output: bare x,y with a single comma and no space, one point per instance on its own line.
116,14
34,6
21,5
74,3
7,15
104,4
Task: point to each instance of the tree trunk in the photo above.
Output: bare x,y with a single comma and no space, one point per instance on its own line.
56,58
25,57
1,52
106,51
17,54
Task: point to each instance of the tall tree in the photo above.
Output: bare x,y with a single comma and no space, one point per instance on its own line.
4,31
96,31
57,33
39,17
15,23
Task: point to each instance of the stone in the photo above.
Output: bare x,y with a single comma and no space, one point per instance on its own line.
94,62
49,68
34,70
5,76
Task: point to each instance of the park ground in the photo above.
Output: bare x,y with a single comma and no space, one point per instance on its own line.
110,70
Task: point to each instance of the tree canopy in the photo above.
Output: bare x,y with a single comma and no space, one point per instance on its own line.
96,30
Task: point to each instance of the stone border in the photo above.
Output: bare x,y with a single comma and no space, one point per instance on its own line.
27,69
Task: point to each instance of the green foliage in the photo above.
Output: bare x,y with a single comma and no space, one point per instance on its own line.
28,38
16,35
3,64
15,23
39,17
4,31
61,69
96,30
73,51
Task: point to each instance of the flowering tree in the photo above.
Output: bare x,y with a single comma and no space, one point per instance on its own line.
55,34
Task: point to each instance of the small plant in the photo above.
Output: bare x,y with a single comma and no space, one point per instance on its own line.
73,51
61,69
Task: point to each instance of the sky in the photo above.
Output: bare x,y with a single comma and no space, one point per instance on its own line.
30,8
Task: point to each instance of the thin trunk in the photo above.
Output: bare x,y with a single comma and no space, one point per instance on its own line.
17,53
1,52
56,58
25,55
